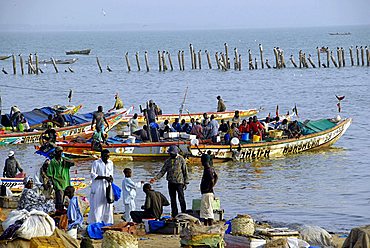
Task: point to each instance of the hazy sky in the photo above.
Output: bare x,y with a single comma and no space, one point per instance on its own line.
168,15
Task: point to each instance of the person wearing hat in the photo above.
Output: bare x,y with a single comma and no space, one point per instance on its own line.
58,171
11,166
221,107
177,177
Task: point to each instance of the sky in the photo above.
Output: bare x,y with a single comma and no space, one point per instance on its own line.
41,15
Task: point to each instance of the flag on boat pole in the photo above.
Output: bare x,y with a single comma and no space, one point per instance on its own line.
340,98
277,110
295,110
70,95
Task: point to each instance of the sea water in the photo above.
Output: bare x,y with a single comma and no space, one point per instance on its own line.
328,188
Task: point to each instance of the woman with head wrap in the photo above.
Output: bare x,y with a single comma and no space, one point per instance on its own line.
31,199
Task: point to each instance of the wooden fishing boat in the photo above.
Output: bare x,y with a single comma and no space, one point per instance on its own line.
324,133
125,151
16,184
81,52
337,33
60,61
2,57
227,115
81,127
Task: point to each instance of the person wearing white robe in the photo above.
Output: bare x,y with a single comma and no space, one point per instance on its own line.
129,193
101,175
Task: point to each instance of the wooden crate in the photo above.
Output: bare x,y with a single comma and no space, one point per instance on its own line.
46,242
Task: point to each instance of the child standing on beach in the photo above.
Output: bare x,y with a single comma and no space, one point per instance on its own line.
129,193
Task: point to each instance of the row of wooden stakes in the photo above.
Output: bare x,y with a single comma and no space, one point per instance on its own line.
222,59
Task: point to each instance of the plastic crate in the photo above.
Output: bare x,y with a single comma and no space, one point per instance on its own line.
170,227
218,214
196,204
47,242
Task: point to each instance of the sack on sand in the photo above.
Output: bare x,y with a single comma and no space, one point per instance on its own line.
116,239
36,224
316,236
14,216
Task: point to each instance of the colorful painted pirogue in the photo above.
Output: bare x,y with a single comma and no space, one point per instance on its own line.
124,149
81,127
16,184
316,134
227,115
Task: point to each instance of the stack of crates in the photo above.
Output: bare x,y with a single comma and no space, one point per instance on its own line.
47,242
217,211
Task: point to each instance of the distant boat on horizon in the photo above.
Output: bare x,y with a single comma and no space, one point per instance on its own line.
82,52
337,33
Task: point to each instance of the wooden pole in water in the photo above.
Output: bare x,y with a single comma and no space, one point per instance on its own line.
127,62
227,56
209,60
217,61
362,56
137,61
327,57
236,64
351,55
224,62
282,59
14,65
343,57
305,60
339,59
318,56
277,64
250,59
333,59
179,59
146,61
367,56
267,64
37,63
240,63
195,59
183,60
22,65
170,60
261,55
191,56
300,58
255,64
200,59
165,67
357,56
310,60
159,61
29,63
292,60
54,64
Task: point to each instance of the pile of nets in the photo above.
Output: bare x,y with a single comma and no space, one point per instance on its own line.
116,239
242,225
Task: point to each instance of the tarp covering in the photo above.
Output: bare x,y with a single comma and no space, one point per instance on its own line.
358,238
316,126
37,116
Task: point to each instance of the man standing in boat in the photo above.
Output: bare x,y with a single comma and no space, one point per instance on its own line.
177,177
118,103
99,119
221,107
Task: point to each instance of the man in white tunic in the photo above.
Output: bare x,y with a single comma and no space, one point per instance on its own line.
101,175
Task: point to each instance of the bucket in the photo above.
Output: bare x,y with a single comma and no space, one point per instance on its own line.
256,138
245,137
72,233
146,224
131,139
